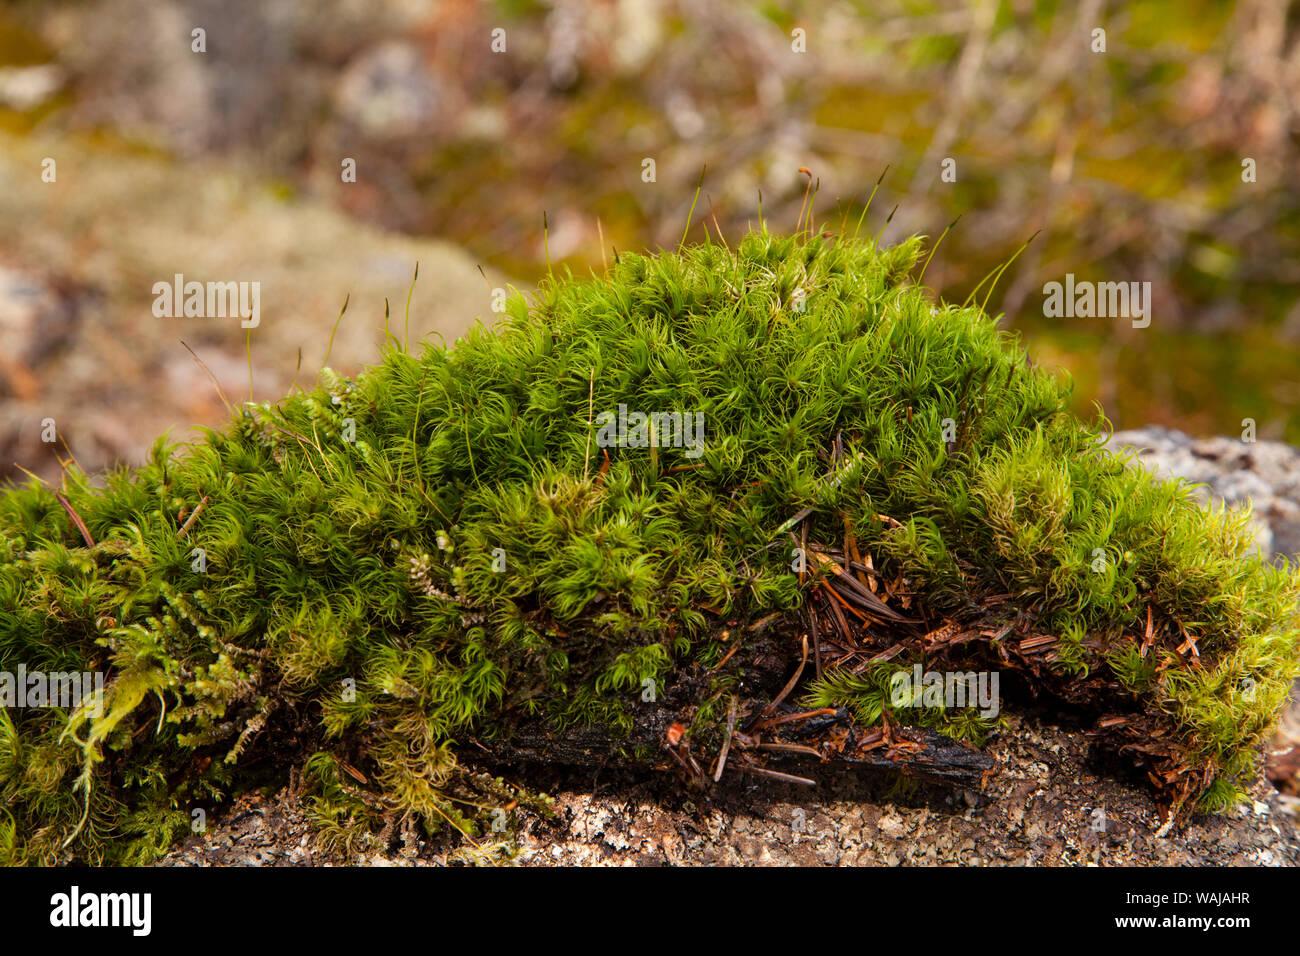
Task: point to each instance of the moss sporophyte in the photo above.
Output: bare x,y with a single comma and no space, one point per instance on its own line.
409,572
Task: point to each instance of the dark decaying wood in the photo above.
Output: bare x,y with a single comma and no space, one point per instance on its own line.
920,753
766,734
853,619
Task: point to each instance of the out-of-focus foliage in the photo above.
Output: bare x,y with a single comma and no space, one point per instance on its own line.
1128,160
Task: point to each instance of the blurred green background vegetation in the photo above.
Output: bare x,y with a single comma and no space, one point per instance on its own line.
1129,161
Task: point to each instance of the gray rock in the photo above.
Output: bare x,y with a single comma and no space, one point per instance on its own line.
389,92
1261,475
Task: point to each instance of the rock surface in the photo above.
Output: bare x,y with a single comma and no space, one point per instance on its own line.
1262,474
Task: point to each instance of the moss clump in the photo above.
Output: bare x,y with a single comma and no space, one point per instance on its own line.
404,567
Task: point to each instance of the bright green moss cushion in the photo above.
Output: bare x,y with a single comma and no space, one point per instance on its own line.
447,544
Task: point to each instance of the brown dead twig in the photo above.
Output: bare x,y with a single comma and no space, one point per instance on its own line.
76,519
194,516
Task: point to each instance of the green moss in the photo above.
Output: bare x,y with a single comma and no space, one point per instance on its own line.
401,566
